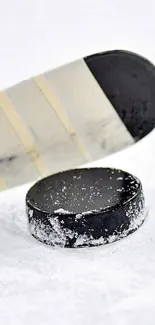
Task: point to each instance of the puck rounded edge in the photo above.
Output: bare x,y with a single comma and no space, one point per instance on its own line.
89,228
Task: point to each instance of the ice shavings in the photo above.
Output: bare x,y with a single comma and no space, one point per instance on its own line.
61,210
136,221
56,235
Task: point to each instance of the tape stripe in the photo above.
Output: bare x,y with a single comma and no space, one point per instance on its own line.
54,102
3,183
23,133
89,109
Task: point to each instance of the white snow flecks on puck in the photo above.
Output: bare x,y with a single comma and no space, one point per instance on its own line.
61,210
56,235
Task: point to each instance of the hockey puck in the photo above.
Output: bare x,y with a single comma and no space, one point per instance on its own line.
85,207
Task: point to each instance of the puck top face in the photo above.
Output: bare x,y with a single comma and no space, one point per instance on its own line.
83,191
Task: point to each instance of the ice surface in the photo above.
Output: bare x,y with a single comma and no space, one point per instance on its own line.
112,284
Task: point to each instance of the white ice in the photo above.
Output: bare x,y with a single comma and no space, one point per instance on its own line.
112,284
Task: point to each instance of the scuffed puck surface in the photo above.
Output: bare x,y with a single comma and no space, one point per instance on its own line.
85,207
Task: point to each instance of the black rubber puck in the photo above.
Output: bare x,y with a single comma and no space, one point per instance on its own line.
85,207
